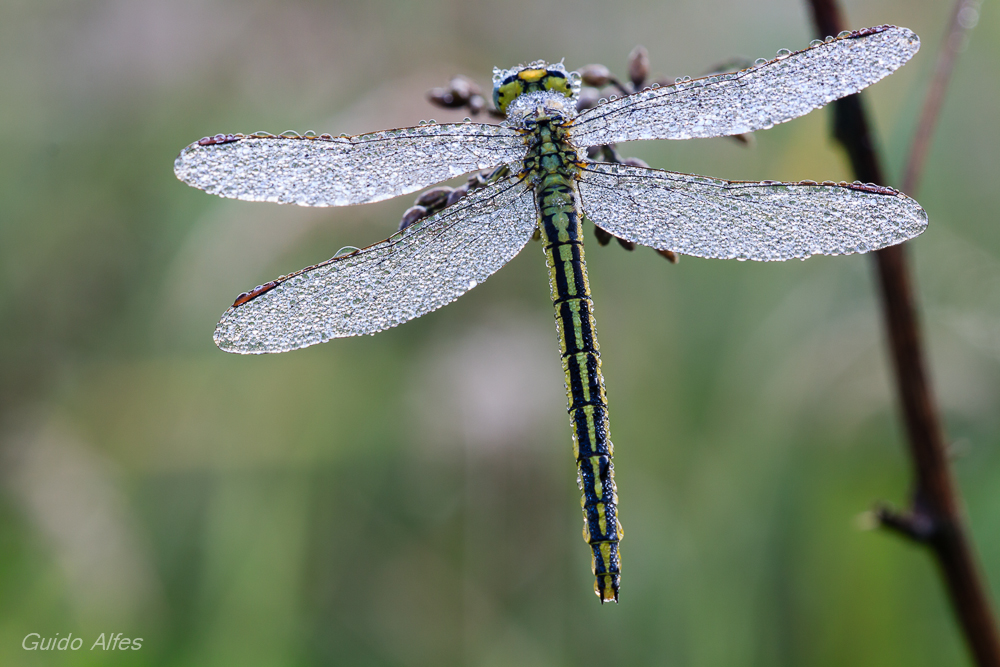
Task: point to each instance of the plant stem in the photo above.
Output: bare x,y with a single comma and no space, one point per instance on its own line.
957,27
935,516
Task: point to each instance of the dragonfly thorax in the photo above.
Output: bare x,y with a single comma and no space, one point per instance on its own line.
551,152
529,110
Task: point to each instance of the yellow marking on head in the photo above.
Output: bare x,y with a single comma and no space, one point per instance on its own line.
531,75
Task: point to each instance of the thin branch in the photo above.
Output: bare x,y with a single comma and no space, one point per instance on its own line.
935,517
963,18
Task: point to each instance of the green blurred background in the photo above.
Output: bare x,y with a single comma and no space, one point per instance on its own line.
410,498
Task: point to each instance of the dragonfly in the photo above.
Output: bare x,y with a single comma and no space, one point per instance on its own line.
544,186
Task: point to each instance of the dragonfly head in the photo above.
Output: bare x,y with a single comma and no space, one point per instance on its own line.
510,84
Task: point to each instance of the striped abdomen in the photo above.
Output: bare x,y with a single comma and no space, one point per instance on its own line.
562,233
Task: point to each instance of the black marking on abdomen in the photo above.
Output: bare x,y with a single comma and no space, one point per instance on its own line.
562,231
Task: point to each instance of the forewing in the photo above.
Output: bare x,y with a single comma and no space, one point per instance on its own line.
768,221
418,270
751,99
337,171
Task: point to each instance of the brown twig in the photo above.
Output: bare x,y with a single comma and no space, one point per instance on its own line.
935,515
957,27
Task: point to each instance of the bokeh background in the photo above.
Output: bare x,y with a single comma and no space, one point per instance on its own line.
410,498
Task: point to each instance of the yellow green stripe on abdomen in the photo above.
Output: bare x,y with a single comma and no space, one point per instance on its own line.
561,229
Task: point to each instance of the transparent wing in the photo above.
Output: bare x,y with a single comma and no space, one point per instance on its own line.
752,99
422,268
768,221
337,171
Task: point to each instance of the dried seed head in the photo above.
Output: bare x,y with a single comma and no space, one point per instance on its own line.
444,98
463,88
476,104
434,197
588,98
745,139
457,194
628,245
603,237
412,215
635,162
668,255
596,76
638,66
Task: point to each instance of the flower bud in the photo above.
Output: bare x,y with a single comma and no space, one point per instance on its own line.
434,197
638,66
412,215
596,76
463,88
443,98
